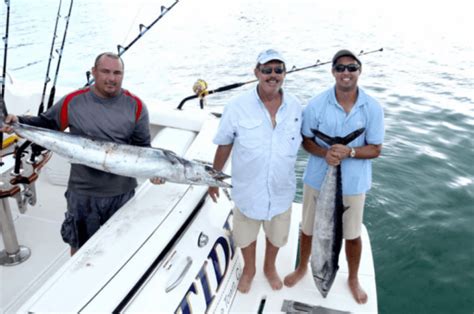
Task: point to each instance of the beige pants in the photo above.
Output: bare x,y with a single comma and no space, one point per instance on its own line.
351,219
245,229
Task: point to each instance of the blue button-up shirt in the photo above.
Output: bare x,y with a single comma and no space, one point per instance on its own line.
325,114
263,157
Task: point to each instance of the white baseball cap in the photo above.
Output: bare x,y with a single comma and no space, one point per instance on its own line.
269,55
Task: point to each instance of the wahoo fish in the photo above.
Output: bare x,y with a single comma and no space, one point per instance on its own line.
327,230
123,159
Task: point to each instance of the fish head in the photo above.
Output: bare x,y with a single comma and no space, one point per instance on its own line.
201,173
217,177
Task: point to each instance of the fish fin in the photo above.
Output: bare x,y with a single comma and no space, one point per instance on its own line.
172,157
337,139
352,136
326,138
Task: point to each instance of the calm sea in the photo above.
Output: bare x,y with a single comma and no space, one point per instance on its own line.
420,212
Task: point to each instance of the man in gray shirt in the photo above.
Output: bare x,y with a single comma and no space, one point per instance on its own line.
103,111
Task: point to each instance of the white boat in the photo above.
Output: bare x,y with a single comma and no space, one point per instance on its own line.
169,249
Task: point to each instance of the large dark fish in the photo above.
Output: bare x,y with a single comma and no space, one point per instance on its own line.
122,159
327,231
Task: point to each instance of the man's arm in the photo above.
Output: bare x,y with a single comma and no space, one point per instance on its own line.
141,134
368,151
220,159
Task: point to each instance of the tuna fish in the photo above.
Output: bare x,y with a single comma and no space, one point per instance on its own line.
122,159
327,230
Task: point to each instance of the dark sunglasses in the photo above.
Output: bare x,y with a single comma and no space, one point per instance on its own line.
350,67
269,70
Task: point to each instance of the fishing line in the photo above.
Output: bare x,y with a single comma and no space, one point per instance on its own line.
200,87
142,30
134,19
47,78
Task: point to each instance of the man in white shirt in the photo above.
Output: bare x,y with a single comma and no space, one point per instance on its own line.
261,128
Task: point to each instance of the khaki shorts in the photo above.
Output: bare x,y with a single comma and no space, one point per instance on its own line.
351,219
245,229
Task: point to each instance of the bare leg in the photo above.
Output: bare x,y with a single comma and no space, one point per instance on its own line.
305,253
248,272
269,268
353,253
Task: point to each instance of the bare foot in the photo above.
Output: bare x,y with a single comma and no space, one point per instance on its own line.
357,292
293,278
273,279
245,282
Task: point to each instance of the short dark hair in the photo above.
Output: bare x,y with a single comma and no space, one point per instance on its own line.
110,55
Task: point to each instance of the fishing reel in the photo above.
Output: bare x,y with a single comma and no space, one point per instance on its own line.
200,89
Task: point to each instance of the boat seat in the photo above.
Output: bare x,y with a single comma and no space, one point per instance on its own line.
176,140
203,149
190,119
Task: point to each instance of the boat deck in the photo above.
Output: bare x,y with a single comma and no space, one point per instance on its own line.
39,230
339,298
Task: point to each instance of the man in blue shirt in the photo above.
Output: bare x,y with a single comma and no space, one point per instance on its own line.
261,128
339,111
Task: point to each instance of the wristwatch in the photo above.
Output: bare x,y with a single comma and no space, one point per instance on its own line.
353,152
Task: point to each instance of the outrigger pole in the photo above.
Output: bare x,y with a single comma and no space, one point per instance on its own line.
47,78
60,52
142,30
202,92
4,111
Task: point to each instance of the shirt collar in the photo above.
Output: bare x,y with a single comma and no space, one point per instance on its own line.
281,110
361,98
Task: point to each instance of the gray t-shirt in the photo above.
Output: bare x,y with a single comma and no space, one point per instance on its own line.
123,119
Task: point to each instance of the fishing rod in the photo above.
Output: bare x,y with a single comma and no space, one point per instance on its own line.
36,150
142,30
5,40
47,79
60,52
200,87
4,111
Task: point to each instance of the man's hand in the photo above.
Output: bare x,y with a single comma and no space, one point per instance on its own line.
332,157
5,126
213,193
157,180
342,151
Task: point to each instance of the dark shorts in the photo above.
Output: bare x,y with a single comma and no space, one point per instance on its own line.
85,214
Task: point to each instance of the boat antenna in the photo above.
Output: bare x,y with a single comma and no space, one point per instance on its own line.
60,53
142,30
200,87
4,111
47,78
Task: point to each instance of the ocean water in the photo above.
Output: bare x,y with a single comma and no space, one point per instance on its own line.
420,212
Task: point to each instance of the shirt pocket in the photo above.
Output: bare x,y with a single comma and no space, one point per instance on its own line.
250,133
292,139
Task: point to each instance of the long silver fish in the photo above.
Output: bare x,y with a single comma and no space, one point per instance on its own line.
122,159
327,230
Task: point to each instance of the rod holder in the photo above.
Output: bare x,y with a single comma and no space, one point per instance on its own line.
13,254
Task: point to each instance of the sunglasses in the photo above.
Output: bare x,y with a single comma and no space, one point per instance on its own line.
350,67
268,70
